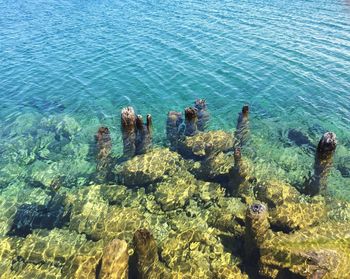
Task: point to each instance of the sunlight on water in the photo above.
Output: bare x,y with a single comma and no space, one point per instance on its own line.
198,204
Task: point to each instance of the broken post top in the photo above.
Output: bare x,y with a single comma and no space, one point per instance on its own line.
128,117
149,121
190,114
200,104
139,122
102,133
245,110
257,208
328,143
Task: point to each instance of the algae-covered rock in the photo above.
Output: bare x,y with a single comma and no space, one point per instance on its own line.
299,215
175,191
318,252
275,193
215,167
150,167
30,271
57,247
197,253
228,215
92,215
115,260
204,144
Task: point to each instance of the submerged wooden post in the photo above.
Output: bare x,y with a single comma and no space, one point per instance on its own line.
191,121
257,227
203,114
242,129
174,120
104,148
128,123
323,163
147,254
143,134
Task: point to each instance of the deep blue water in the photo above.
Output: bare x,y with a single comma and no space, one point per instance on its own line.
289,60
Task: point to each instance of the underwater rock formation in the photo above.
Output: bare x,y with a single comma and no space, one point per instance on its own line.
323,163
318,252
173,128
215,167
66,251
148,168
242,129
143,134
36,216
191,122
275,193
204,144
202,113
174,192
128,123
103,157
115,260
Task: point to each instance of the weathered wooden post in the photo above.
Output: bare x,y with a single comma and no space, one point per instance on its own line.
191,121
203,114
174,120
147,254
104,148
143,134
323,163
257,227
128,123
242,129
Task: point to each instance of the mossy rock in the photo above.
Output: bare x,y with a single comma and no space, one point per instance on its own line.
175,191
276,193
30,271
299,215
203,144
148,168
215,168
315,252
58,247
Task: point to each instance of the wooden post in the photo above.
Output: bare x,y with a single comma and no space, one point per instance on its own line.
128,126
147,254
257,227
323,163
242,129
174,120
104,147
191,120
203,114
143,134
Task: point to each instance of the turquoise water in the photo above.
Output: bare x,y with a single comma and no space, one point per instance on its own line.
87,60
68,67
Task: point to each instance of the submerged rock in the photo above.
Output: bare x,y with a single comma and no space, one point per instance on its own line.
175,191
202,145
115,260
35,216
319,252
148,168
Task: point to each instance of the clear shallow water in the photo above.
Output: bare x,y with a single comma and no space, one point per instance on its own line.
68,67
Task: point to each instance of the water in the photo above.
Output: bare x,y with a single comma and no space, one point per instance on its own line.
68,67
